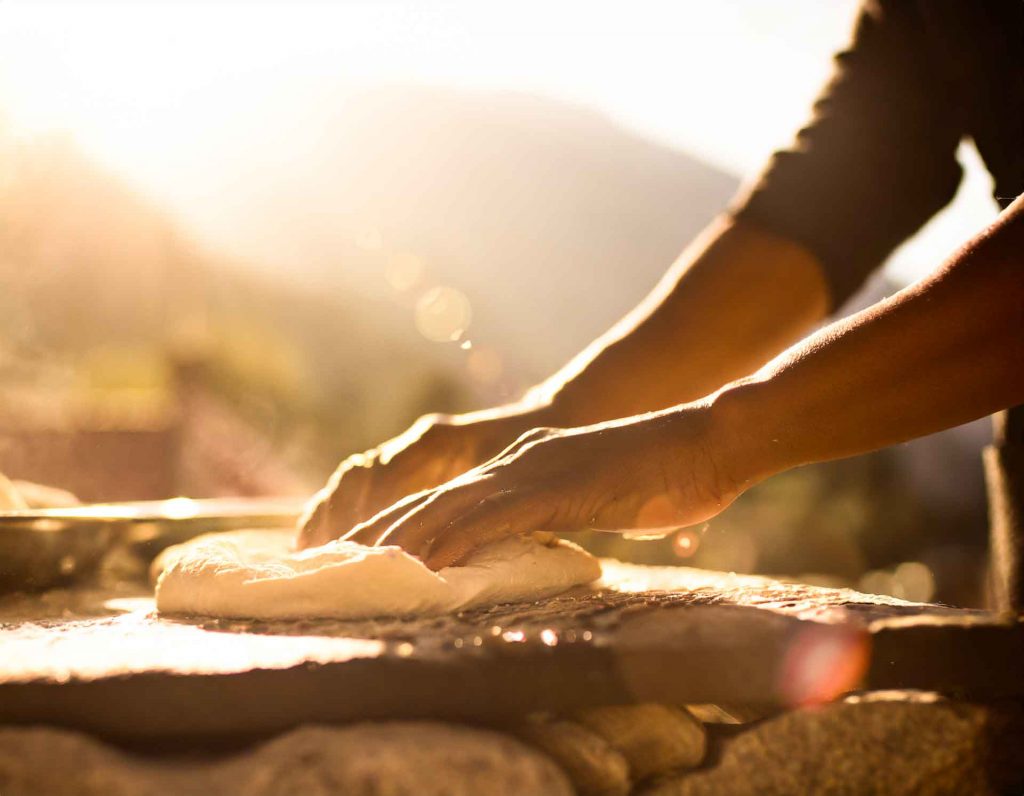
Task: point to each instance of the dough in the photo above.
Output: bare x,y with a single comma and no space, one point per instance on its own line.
254,574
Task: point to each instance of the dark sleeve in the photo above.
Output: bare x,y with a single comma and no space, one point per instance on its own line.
878,158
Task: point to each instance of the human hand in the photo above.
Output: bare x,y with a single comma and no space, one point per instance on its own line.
652,473
435,449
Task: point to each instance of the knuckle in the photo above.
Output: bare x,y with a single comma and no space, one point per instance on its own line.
358,462
537,435
433,423
432,429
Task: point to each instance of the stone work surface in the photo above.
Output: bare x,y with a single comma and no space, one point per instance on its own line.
111,633
396,759
78,618
645,637
895,744
108,664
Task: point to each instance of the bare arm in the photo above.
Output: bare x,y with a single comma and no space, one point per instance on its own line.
944,351
732,301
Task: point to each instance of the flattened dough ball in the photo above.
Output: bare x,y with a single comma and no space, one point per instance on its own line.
256,575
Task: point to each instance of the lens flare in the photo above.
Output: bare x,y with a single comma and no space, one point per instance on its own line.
179,508
442,314
915,580
823,662
685,543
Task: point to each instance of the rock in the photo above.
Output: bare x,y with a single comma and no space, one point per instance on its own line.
654,738
395,759
729,713
883,743
590,762
607,750
61,763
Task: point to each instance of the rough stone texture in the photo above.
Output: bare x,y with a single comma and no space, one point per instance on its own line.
884,743
394,759
654,738
75,621
606,751
645,634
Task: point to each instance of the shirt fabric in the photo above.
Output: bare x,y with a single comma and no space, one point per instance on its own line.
878,158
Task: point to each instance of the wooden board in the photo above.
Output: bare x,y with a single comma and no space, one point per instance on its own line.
114,667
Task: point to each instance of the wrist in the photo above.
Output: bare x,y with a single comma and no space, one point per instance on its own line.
749,441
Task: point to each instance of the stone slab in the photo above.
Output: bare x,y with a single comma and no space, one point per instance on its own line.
644,634
394,759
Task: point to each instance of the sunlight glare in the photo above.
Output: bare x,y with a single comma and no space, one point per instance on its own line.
194,102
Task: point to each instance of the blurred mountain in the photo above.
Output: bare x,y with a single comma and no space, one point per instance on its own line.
553,220
101,293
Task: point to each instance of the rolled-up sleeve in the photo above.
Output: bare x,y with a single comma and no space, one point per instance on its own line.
877,159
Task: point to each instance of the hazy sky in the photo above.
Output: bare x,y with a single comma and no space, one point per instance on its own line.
167,93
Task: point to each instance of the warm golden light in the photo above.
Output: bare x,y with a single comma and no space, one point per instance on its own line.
191,99
443,314
911,581
484,365
685,543
179,508
403,271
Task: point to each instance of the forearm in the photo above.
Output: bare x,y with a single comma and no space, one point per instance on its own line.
734,299
942,352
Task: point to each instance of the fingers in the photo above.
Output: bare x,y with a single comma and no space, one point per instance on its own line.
371,531
450,524
311,522
417,528
524,439
340,504
425,427
473,505
490,521
479,507
358,501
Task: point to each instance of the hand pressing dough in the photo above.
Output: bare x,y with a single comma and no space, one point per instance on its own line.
255,574
24,495
10,498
